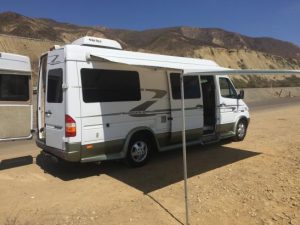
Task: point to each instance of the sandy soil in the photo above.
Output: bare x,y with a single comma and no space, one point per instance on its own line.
256,181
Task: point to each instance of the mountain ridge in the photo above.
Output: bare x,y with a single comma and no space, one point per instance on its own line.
33,36
189,37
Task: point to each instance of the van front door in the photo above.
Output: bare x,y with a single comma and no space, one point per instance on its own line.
193,107
228,104
54,109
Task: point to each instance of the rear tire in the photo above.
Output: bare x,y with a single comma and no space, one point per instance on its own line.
241,130
138,152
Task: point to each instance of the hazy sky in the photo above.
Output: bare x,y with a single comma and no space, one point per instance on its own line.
274,18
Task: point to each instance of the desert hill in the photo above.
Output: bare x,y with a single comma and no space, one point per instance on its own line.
32,36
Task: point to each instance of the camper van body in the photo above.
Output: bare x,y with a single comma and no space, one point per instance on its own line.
15,97
94,102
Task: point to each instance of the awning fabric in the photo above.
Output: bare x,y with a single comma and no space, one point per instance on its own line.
155,61
188,65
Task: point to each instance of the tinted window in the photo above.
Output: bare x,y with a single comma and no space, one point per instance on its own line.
54,91
14,87
191,86
227,89
110,85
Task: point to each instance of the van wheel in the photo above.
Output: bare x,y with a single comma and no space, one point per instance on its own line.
240,130
138,151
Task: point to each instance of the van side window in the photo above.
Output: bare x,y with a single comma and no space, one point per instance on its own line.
110,85
14,87
227,89
191,86
55,81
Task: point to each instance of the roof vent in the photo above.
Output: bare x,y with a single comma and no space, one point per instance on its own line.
97,42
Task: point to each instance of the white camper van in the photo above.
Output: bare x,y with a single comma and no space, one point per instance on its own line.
98,102
15,97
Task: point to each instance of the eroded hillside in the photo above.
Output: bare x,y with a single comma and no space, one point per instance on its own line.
32,37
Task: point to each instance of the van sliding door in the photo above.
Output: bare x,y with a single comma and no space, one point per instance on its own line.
193,107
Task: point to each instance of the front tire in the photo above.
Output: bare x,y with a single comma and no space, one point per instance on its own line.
138,152
240,130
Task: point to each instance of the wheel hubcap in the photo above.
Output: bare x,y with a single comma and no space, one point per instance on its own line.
139,151
241,130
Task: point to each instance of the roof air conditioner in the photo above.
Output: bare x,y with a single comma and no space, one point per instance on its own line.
97,42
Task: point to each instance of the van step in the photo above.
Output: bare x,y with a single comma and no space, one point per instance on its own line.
208,128
208,132
211,138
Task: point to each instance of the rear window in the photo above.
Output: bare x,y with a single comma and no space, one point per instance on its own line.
110,85
14,87
55,81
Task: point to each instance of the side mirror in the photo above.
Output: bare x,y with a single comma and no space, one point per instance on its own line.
241,94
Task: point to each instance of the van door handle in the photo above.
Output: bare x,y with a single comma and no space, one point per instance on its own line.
48,113
223,104
199,106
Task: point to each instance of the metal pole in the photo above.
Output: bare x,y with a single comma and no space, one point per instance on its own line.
184,152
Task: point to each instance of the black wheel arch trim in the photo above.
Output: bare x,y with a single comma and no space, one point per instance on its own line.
239,119
135,131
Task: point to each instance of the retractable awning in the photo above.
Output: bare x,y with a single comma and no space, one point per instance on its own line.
154,61
188,65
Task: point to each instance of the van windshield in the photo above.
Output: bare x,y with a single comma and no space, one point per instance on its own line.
14,87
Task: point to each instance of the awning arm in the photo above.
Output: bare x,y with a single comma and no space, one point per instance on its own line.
184,152
243,72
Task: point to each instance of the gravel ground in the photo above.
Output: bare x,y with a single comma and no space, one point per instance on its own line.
256,181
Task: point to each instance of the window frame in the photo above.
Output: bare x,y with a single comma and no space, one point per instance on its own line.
178,95
27,97
137,90
231,86
61,97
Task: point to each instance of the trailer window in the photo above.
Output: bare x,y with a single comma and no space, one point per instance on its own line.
110,85
227,89
14,87
191,86
54,86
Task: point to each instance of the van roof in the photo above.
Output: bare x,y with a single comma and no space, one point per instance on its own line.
189,66
13,62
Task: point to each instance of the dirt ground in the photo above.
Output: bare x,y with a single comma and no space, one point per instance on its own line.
256,181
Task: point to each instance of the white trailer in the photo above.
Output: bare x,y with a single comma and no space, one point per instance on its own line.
98,102
15,97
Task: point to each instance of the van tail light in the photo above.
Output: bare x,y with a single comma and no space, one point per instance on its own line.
70,126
